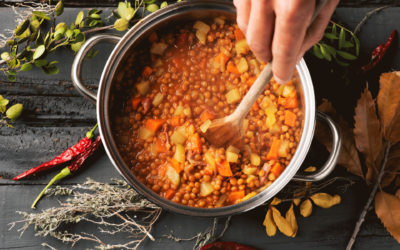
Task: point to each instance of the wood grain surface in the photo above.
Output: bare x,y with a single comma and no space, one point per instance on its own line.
56,117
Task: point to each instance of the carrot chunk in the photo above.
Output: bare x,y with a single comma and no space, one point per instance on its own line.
251,81
292,102
206,116
224,169
175,121
232,69
153,37
147,71
273,152
239,35
162,170
160,146
154,124
169,193
290,118
256,106
281,99
223,57
277,169
195,143
176,165
236,195
136,102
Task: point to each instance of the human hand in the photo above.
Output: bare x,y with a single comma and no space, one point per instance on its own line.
278,29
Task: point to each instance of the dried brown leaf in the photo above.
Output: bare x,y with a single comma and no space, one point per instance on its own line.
349,155
281,222
291,219
269,223
297,201
306,208
310,169
387,207
367,132
322,200
275,201
398,194
388,102
392,166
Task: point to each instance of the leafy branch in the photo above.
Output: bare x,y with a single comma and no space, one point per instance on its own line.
30,45
12,113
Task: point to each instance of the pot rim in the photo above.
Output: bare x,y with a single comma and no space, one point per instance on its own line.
307,96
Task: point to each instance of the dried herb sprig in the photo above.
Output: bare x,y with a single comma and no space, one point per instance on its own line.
104,202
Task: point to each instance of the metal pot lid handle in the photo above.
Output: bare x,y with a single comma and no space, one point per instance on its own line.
76,71
330,164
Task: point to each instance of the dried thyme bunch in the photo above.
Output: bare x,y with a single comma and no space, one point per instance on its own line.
104,202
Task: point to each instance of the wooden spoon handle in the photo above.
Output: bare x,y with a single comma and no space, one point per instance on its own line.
264,78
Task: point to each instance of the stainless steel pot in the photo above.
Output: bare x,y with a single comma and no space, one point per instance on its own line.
164,18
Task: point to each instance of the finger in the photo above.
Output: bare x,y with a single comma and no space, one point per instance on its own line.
292,19
260,29
316,30
243,8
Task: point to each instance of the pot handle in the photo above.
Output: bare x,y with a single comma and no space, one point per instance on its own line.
333,158
76,71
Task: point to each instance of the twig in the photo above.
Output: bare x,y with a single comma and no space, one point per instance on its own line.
371,197
368,15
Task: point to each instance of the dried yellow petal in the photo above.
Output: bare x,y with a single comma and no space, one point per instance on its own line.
291,219
269,224
297,201
275,201
310,169
281,222
306,208
300,194
323,200
336,199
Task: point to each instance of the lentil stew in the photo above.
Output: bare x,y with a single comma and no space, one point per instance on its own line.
173,88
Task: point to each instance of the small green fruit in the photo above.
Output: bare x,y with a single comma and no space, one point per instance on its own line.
152,7
14,111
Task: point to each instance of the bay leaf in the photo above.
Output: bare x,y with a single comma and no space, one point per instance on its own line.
291,219
269,223
306,208
282,224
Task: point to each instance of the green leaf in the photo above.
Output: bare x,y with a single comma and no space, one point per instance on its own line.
41,15
331,50
53,70
12,72
92,11
29,56
153,7
76,46
341,63
326,53
22,40
34,26
4,102
334,30
22,54
79,18
69,33
121,9
347,44
5,56
52,64
129,13
76,32
317,52
80,37
342,38
115,14
39,51
39,39
357,44
26,67
59,8
346,55
330,36
72,26
44,69
21,28
11,78
91,54
164,4
41,63
92,23
95,16
121,24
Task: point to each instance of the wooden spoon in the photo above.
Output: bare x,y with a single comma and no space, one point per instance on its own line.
229,130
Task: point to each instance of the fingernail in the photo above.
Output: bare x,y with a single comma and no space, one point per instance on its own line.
280,81
242,27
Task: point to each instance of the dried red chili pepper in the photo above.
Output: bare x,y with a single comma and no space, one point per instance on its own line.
69,154
376,51
75,165
380,55
226,246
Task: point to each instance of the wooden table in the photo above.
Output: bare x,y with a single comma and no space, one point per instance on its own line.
55,117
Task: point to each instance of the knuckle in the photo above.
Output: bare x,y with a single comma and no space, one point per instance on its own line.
283,53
